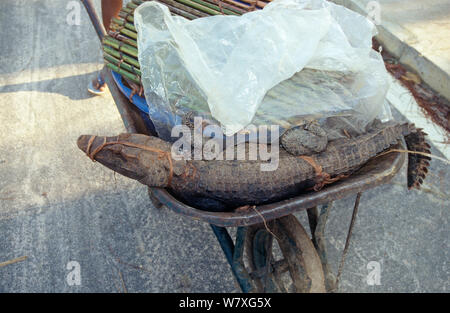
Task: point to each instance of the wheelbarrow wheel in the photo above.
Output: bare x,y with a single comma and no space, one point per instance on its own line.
299,269
156,203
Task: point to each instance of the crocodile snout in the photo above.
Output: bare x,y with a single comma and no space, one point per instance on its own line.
83,142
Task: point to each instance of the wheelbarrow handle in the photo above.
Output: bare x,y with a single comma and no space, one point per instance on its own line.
98,25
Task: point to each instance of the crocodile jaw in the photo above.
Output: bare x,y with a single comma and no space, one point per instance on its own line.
136,163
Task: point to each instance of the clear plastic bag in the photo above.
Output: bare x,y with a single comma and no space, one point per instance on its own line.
294,58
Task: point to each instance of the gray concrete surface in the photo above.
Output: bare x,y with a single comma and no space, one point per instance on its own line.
56,206
416,32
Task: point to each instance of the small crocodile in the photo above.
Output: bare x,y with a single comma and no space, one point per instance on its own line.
227,184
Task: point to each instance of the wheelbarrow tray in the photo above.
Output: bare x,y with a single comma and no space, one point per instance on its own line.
377,171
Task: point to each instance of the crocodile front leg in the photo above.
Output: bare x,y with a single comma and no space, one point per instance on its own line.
305,139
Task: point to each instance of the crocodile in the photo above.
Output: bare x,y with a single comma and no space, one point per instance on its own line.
223,185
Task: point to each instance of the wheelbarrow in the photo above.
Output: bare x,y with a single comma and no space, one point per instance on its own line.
303,266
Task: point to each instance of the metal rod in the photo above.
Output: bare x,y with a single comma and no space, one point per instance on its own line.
226,243
238,267
269,257
234,254
98,26
317,221
349,235
313,216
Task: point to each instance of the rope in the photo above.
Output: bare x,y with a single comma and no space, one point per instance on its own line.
187,171
220,6
322,178
91,140
120,53
120,61
162,153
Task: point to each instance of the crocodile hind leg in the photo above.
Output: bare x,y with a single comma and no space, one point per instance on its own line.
417,163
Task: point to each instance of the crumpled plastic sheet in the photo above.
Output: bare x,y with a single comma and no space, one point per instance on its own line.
294,59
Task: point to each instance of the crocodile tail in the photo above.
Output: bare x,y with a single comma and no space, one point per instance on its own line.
417,163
